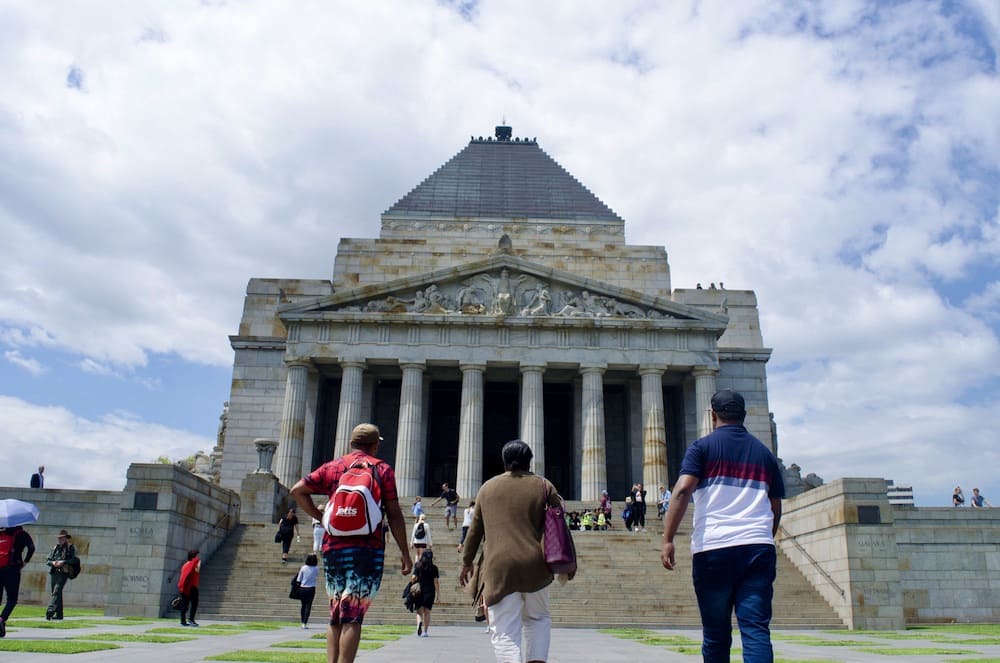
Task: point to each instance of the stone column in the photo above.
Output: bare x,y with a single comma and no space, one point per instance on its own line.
593,470
349,411
532,415
293,423
409,452
470,432
704,387
654,432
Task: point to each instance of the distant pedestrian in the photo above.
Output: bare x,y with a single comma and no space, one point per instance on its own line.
318,532
451,498
418,507
978,501
16,549
957,498
187,585
466,521
38,478
287,528
662,502
426,575
627,514
639,507
307,587
421,539
63,561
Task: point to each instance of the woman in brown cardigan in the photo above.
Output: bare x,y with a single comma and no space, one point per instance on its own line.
510,511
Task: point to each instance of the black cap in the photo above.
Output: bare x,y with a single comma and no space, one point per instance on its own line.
729,404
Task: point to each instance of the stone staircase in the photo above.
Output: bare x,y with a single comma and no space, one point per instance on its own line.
620,583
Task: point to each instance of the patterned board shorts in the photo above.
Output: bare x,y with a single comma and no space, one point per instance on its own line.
353,578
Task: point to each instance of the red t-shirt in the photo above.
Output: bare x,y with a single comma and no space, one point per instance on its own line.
190,575
325,478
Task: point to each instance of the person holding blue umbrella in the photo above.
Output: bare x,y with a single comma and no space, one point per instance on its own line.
16,549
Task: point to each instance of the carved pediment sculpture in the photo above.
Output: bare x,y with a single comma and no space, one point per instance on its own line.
505,292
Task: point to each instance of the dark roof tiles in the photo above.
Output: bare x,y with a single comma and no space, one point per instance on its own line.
503,179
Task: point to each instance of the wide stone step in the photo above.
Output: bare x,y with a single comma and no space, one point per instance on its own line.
620,579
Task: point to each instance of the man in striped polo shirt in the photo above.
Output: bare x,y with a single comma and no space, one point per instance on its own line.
737,488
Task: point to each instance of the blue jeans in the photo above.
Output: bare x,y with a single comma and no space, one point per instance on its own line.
740,577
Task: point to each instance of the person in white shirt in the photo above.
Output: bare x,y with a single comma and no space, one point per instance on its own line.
467,522
421,536
307,587
318,532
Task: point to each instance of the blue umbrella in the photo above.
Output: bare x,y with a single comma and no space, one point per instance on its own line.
16,512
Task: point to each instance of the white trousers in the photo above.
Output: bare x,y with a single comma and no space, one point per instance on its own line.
317,539
518,613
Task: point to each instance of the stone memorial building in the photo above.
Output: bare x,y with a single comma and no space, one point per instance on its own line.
499,301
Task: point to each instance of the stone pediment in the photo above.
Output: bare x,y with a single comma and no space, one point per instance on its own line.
501,286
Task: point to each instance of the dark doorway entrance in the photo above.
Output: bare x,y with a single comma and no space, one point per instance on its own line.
500,424
618,459
558,408
325,431
444,412
385,415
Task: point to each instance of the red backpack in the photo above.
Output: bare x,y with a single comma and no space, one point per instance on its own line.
7,547
355,508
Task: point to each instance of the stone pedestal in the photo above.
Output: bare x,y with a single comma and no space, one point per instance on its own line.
263,498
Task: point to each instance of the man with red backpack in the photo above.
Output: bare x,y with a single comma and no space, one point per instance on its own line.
16,549
362,498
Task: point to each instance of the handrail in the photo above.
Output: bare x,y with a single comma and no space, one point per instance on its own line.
228,513
794,540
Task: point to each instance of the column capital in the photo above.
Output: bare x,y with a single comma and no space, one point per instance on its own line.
529,368
653,369
353,363
472,367
704,371
593,368
419,365
298,362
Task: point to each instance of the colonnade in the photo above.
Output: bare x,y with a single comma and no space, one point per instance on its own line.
411,453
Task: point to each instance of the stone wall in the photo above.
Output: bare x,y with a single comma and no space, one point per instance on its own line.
91,518
949,563
842,537
914,565
164,512
567,247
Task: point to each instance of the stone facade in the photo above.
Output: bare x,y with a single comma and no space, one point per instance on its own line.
500,300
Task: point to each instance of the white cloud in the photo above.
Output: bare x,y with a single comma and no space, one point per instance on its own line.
33,366
83,453
840,164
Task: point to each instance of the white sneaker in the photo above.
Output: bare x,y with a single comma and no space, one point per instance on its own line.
304,626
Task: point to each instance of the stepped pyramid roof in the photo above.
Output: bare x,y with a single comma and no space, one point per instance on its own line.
502,178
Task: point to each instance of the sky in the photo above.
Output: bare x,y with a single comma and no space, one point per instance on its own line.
841,159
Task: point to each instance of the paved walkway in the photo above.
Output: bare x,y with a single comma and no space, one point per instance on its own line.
469,644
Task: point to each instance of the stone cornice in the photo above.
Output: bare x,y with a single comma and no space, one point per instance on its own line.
257,343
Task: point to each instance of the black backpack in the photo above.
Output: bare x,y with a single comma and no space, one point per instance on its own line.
421,531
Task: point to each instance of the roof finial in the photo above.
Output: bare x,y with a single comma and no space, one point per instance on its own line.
503,132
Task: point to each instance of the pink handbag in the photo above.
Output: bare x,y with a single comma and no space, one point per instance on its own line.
557,542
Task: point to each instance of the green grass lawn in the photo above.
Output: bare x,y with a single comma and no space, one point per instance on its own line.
135,637
54,646
203,630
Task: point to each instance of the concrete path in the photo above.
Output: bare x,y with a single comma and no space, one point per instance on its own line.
470,644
